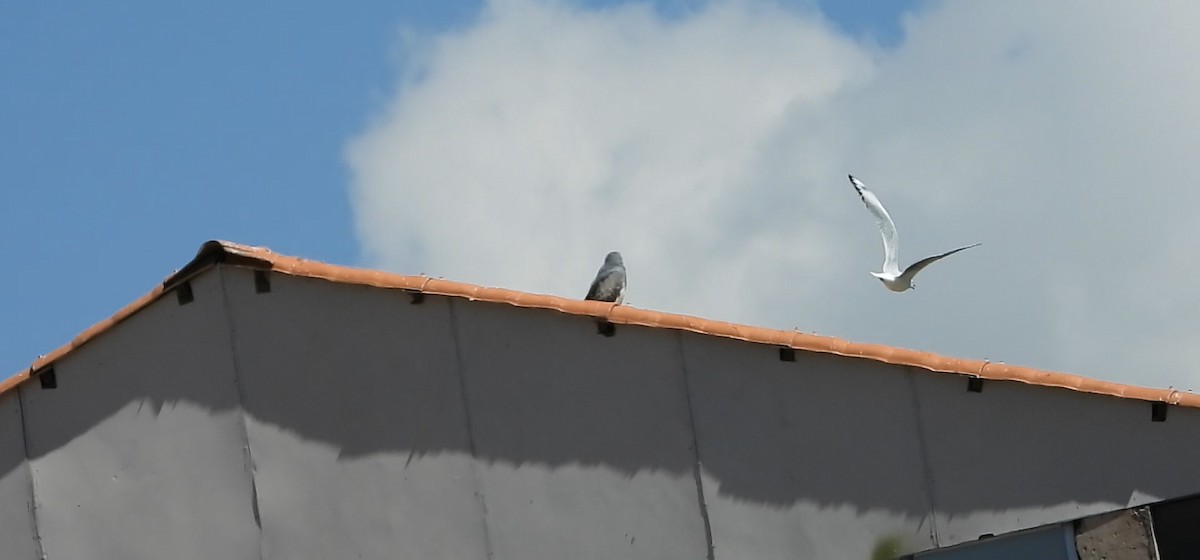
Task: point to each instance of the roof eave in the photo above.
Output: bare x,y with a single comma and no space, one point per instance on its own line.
216,252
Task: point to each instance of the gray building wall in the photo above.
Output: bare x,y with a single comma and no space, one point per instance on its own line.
325,420
17,532
140,452
356,420
817,458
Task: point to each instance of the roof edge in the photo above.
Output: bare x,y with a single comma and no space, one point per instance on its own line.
216,252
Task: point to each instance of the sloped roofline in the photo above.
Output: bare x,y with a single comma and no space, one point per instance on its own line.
214,252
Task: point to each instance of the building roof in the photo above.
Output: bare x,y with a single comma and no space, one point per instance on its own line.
261,258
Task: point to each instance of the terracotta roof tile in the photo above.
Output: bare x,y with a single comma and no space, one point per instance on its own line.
214,252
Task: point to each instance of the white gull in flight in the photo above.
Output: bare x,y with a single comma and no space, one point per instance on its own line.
892,277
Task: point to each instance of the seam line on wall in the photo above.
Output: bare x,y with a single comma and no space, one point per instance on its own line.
926,472
696,465
33,493
460,368
248,455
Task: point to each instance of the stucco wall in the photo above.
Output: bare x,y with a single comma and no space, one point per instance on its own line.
817,458
140,450
323,420
357,428
17,533
1016,456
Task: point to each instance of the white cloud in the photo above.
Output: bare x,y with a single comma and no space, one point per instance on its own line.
711,150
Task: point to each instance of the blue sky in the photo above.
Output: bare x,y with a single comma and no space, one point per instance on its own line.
708,141
132,132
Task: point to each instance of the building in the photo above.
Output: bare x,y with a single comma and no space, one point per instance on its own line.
262,406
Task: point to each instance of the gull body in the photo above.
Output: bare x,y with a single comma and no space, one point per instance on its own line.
609,284
891,276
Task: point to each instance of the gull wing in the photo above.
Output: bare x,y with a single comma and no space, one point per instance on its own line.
916,267
887,228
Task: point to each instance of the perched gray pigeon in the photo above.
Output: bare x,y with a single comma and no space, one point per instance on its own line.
609,284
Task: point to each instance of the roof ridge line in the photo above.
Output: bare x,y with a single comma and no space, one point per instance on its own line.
226,252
